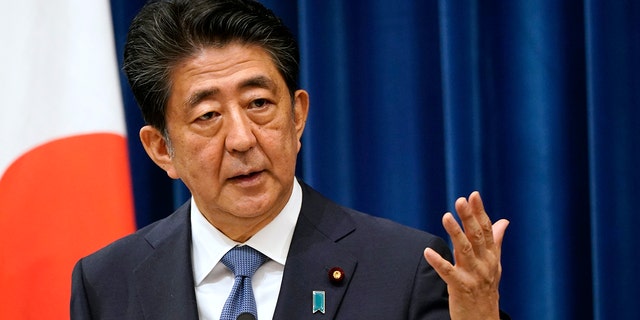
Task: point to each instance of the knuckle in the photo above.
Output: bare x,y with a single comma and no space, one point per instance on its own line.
486,226
446,270
467,248
478,236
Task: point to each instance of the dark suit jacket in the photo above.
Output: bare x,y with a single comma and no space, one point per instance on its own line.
148,275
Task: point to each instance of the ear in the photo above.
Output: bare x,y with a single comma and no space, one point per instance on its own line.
300,112
156,147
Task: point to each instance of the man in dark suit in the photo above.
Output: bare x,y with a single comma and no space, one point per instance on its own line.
217,84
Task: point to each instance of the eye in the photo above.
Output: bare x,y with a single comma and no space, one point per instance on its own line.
259,103
207,116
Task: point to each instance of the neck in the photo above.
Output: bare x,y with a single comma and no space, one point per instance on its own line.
242,229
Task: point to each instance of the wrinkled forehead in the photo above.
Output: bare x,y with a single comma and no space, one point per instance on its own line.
220,60
228,70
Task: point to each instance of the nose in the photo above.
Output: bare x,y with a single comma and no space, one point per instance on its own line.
240,136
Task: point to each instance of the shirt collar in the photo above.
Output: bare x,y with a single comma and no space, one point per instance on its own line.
209,244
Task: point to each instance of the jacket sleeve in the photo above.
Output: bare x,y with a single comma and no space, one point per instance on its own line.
79,301
429,300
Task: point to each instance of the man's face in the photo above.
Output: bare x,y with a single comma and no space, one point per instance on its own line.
234,134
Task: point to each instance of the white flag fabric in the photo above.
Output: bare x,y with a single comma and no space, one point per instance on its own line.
65,189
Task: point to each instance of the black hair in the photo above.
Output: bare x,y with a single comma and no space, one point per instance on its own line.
164,33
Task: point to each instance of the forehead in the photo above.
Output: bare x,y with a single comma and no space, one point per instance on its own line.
228,67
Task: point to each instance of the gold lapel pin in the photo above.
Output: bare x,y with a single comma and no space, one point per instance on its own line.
336,275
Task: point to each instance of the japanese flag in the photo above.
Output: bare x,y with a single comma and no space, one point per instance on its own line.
65,189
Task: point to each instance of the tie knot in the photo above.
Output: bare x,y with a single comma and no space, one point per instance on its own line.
243,261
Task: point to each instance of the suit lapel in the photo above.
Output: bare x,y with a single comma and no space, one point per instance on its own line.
165,277
312,254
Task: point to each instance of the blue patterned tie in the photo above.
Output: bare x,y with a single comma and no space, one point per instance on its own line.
243,262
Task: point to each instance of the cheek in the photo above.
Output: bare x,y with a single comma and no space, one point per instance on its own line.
281,140
200,154
280,149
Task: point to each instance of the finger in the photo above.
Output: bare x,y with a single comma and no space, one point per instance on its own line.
472,228
499,228
477,209
462,248
440,264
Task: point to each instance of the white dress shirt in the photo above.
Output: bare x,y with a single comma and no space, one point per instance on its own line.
213,280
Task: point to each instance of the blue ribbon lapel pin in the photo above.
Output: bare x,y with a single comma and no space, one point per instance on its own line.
318,301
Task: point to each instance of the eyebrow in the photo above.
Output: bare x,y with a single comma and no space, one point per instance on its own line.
259,82
200,95
253,82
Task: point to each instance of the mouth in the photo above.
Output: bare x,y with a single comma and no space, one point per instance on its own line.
247,178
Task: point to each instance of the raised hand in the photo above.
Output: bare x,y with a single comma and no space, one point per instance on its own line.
473,281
